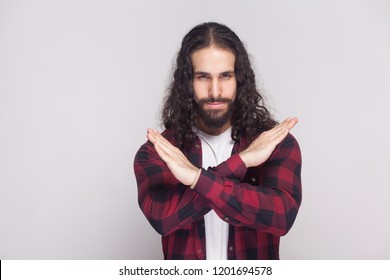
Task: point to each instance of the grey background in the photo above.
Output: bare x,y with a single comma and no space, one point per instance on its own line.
80,81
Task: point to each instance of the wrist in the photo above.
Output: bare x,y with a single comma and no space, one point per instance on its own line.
197,175
245,158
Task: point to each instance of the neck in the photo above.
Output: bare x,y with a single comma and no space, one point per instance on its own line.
213,131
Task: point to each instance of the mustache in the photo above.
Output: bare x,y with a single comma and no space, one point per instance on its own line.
212,99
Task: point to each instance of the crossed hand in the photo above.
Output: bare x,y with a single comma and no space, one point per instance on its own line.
258,151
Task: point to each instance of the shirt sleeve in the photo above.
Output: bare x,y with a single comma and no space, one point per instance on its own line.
167,204
271,200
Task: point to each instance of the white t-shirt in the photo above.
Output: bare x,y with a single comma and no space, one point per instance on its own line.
215,149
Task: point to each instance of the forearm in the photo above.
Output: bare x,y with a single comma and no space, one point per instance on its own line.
165,202
266,197
181,208
271,209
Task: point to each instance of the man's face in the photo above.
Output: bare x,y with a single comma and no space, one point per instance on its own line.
215,88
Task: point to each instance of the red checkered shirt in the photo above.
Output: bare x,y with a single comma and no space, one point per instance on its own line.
259,203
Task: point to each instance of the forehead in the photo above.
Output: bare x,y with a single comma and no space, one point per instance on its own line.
213,59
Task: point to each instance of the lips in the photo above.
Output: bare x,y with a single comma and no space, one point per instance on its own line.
215,105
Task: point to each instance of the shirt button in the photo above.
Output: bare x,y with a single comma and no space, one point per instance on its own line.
197,146
231,248
199,251
253,179
226,219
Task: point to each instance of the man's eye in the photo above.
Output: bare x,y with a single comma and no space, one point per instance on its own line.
226,76
203,77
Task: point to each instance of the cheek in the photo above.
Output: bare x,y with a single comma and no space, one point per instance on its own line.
199,91
231,89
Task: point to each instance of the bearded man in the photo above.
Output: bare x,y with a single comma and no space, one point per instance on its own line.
222,181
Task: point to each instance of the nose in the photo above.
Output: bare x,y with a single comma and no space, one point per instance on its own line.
215,88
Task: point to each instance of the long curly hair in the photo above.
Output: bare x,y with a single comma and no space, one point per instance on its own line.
249,116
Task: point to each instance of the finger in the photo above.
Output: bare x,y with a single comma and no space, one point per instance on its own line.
151,137
161,138
273,133
279,127
170,151
283,130
166,145
174,153
292,123
278,138
288,123
154,136
282,133
174,156
161,151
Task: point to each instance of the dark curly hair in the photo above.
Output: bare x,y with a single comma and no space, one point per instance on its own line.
249,114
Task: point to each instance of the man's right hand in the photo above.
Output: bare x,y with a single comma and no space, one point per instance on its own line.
262,147
180,166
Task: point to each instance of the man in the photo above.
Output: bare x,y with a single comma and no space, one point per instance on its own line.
223,180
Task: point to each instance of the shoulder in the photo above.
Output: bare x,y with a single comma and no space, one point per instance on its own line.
289,141
288,148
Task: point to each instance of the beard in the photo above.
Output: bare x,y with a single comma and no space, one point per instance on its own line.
214,118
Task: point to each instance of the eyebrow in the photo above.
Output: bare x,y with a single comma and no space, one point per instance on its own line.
206,73
228,72
200,73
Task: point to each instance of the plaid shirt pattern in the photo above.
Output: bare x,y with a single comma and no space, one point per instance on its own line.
259,203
